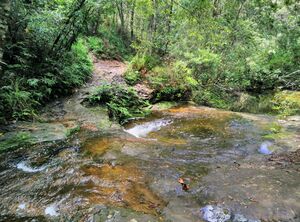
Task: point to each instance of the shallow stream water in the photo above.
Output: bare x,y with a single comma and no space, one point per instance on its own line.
131,174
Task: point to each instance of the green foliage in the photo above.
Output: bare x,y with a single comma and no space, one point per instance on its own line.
72,131
172,82
144,61
20,139
95,44
132,77
246,103
164,105
171,93
43,58
21,93
77,66
286,103
211,51
283,103
108,44
139,66
17,100
123,103
213,98
114,45
275,131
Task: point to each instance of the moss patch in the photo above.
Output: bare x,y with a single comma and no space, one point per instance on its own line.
11,140
275,131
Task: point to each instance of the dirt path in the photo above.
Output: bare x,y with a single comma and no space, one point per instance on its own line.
108,71
69,113
112,71
71,108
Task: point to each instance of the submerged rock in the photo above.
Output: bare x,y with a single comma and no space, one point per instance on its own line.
52,210
264,148
212,213
24,134
22,206
116,214
242,218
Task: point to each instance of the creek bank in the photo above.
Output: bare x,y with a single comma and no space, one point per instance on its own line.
110,176
105,172
66,116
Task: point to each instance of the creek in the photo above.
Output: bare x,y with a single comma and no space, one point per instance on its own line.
105,172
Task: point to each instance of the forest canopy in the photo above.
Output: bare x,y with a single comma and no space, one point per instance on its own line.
214,52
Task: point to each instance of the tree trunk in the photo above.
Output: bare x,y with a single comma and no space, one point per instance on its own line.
132,21
57,44
153,25
216,10
236,22
169,21
4,11
120,7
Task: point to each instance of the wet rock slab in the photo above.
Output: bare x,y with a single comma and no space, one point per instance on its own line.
33,133
132,175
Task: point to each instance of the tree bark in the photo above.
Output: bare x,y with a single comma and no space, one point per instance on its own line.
215,11
236,21
70,20
4,11
169,21
120,7
132,21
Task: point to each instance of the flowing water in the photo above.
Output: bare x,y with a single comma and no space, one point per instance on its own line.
131,174
236,167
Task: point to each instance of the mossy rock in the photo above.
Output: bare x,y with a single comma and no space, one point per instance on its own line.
13,140
31,133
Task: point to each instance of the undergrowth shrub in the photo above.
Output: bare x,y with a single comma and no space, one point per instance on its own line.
144,61
286,103
132,77
23,90
213,98
95,44
107,44
172,82
17,101
139,66
123,103
77,66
